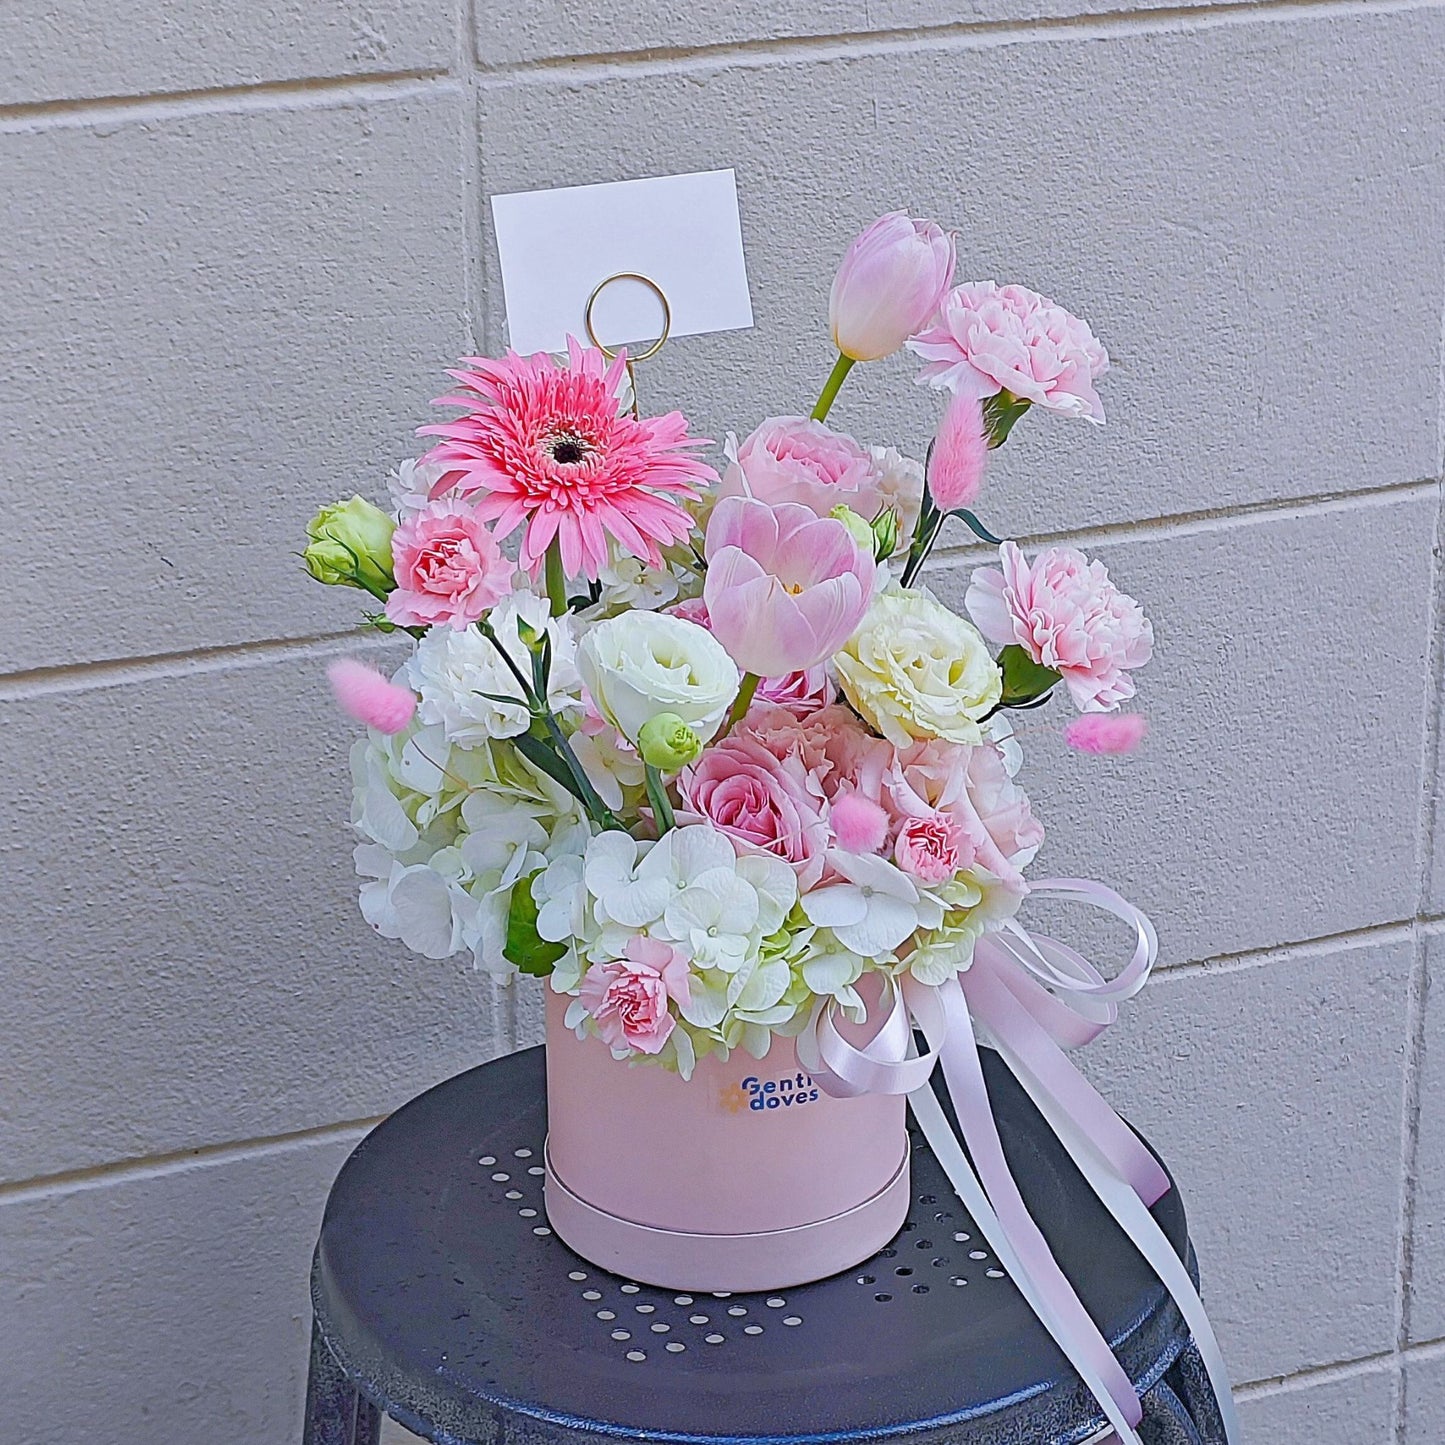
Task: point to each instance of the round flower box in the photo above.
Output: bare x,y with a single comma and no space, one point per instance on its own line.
745,1177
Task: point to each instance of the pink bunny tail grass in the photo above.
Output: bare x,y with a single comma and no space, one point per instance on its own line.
366,695
859,824
1106,733
959,455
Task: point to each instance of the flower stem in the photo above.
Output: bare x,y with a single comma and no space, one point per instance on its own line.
836,377
581,786
556,578
661,803
744,700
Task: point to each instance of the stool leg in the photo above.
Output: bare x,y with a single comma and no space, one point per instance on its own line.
336,1412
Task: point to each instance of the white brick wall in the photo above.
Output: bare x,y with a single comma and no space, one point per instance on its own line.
240,240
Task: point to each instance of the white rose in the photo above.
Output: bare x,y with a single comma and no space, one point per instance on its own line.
644,663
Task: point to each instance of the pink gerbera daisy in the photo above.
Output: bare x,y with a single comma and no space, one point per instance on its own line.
552,451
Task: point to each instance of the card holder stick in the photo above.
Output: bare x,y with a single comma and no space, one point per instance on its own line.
651,351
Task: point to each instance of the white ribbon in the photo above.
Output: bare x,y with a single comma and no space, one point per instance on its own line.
1035,997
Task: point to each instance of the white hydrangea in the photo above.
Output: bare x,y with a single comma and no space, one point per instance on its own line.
692,890
448,832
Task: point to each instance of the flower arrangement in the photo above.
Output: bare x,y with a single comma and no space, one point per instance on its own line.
698,745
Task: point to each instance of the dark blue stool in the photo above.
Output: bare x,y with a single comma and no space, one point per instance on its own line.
442,1299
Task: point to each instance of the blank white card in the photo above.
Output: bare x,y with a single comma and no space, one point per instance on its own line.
681,231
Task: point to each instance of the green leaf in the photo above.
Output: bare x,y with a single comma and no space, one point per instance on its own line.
525,947
1023,678
1000,412
975,526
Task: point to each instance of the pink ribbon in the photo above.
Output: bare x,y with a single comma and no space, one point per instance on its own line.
1033,998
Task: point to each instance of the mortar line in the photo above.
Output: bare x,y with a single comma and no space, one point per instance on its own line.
469,139
1312,1375
1205,519
744,53
150,1166
506,1035
109,672
271,95
1412,1101
114,672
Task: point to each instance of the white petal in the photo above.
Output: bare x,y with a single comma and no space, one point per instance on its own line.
835,906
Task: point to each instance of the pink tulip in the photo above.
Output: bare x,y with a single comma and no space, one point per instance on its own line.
785,588
888,286
959,455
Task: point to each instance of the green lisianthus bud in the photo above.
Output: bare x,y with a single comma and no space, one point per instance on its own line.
351,547
857,526
667,742
885,534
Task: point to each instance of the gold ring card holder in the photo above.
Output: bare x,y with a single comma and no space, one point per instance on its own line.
652,350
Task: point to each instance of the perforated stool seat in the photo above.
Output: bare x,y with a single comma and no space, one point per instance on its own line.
442,1299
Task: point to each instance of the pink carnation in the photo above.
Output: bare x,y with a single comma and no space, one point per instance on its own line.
1063,610
988,338
770,803
933,849
1106,733
793,459
628,997
972,788
448,568
364,694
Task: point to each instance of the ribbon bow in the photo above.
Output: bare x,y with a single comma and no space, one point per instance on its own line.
1032,998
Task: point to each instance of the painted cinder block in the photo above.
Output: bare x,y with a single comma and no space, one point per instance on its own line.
1274,1093
185,959
1357,1410
213,323
1270,286
165,1305
55,50
1275,796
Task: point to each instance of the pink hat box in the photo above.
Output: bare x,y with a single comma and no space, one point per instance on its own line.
747,1176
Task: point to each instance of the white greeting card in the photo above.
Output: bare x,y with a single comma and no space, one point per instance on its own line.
681,231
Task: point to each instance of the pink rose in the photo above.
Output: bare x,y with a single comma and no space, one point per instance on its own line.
800,692
1063,610
628,997
791,459
988,338
765,802
448,568
933,848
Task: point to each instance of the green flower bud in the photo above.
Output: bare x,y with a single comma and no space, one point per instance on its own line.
667,742
857,526
885,534
351,546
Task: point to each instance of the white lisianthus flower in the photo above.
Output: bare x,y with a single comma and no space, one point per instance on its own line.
453,671
916,670
644,663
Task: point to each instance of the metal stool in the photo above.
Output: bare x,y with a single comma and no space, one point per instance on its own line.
442,1299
